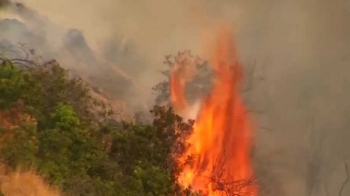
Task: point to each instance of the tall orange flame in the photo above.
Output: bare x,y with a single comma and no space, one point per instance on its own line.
220,142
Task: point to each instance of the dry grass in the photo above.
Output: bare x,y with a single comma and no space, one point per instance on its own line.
25,184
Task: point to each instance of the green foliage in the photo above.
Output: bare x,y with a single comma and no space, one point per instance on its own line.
13,84
64,117
20,147
67,139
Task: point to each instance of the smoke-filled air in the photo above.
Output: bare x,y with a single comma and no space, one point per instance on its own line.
174,98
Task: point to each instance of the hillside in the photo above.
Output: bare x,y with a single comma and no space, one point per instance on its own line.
35,38
61,132
51,125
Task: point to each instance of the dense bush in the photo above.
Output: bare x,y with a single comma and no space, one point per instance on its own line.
49,122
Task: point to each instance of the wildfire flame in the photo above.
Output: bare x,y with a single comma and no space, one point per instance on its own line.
220,142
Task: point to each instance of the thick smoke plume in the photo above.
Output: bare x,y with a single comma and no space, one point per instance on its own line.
301,48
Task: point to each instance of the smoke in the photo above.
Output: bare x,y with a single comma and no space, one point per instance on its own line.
304,46
301,48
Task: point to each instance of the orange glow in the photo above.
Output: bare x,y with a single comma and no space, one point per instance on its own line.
220,142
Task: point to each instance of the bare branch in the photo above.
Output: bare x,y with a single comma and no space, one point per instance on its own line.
346,180
25,62
266,128
250,82
226,184
24,50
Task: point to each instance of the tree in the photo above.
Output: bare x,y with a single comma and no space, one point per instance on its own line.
50,123
201,77
199,85
163,141
198,75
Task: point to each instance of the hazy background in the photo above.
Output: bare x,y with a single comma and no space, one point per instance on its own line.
301,48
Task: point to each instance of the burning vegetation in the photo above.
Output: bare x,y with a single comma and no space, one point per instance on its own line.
216,162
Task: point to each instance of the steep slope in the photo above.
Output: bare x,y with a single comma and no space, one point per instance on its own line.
73,53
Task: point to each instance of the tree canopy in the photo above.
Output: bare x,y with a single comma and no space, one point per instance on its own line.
50,123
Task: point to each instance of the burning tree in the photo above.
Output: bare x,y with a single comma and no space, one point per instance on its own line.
226,184
201,81
199,85
217,159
